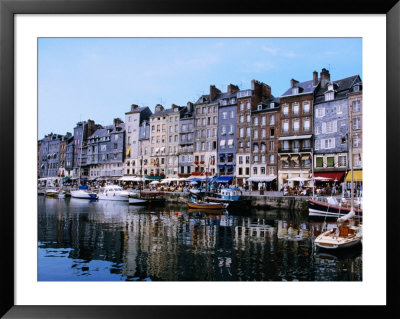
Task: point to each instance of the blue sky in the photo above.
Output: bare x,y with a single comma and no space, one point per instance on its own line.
99,78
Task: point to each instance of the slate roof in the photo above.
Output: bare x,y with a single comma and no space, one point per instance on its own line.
166,112
137,110
342,88
266,105
203,99
304,88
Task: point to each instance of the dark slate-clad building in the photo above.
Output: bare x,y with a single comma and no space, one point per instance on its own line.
105,151
144,148
331,126
227,109
82,131
69,157
186,140
50,155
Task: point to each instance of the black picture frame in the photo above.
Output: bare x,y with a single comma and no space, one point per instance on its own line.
9,8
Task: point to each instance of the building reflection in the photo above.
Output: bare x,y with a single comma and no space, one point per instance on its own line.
174,245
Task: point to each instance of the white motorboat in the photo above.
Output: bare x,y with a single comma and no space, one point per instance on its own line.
83,193
114,192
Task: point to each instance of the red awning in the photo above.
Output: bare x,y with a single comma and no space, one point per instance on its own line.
334,176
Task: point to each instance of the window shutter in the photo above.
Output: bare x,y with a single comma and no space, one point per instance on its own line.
323,127
333,142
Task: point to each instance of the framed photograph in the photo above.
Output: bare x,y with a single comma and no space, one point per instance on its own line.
71,67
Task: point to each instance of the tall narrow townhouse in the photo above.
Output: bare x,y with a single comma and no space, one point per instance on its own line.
144,148
50,155
186,140
227,108
295,141
331,126
62,172
158,141
133,118
171,146
264,143
82,131
355,102
247,101
205,132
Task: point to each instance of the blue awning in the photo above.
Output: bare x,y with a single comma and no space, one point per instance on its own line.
229,166
229,154
224,179
221,166
222,155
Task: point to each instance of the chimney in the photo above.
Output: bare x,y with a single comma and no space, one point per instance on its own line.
117,121
325,77
293,82
189,107
232,88
159,108
315,78
134,106
69,134
260,90
213,92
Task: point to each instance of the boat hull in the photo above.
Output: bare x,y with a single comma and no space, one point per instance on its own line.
137,201
83,195
207,206
316,208
114,197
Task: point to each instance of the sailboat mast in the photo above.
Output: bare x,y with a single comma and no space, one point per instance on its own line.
351,156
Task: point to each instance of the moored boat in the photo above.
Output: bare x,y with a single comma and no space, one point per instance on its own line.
82,192
113,192
147,198
348,233
331,207
206,205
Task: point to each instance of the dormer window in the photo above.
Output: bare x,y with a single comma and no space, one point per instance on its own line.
329,96
330,87
295,90
272,105
259,107
356,88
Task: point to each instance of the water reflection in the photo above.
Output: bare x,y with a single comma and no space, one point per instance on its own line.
105,240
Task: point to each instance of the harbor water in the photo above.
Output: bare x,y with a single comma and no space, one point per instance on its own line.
81,240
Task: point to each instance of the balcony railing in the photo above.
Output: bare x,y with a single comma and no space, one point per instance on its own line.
294,150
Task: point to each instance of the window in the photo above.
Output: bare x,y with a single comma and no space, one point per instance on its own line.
232,114
296,125
329,96
255,132
241,118
214,131
285,110
271,132
241,106
357,124
285,126
330,127
262,169
255,147
295,108
262,147
306,107
263,133
231,129
272,119
320,162
215,120
203,121
248,118
328,143
356,141
330,161
295,90
255,122
342,161
241,132
306,124
320,112
263,120
272,159
248,105
357,106
248,131
223,130
247,159
271,145
203,110
224,115
240,159
285,145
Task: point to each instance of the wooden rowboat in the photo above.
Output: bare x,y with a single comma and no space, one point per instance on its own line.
205,205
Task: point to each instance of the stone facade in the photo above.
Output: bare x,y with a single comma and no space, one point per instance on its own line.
133,118
295,141
331,125
186,140
172,143
355,101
